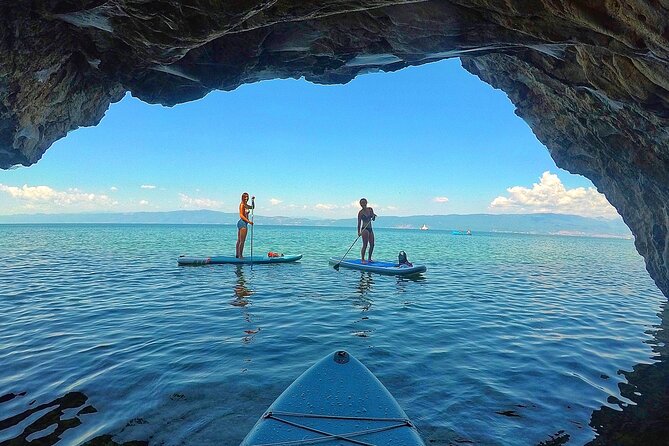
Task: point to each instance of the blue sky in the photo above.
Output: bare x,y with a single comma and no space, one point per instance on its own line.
432,139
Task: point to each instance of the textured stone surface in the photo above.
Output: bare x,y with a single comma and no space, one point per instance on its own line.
590,77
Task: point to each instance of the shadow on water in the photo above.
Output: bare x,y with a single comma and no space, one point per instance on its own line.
646,422
53,419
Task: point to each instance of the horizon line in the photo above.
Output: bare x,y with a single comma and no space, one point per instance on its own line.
304,217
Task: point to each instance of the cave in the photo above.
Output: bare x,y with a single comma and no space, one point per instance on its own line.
590,78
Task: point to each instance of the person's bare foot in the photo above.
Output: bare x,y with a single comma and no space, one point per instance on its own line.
363,261
370,261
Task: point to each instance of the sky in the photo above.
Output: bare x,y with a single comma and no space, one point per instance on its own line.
432,139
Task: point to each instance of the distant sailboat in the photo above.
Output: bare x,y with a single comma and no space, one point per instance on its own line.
424,228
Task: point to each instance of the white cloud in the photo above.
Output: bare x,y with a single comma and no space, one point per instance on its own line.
326,207
30,193
199,203
550,195
143,203
391,208
440,199
113,188
147,186
45,198
275,201
297,206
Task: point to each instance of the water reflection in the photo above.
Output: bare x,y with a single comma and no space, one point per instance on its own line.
646,422
364,287
242,293
364,303
47,421
366,283
403,281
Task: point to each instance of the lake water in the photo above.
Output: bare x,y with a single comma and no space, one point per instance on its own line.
505,340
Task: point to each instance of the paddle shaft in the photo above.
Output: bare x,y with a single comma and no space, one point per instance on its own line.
253,205
336,265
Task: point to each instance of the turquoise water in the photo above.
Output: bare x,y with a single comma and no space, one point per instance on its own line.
505,340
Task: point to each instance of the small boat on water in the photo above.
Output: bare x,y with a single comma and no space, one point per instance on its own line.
337,401
424,228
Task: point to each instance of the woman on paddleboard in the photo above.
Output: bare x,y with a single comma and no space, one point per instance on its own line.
243,223
365,217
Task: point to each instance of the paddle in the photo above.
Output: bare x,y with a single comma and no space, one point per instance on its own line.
336,265
253,205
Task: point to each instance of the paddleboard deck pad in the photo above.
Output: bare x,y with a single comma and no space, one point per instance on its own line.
389,268
337,401
186,260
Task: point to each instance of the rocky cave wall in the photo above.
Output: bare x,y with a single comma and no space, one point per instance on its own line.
591,78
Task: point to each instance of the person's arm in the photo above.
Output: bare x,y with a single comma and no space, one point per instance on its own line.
359,221
373,214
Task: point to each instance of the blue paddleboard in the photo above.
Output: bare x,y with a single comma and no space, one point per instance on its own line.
185,260
337,401
390,268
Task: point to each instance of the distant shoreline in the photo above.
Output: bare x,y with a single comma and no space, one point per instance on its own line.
475,232
547,224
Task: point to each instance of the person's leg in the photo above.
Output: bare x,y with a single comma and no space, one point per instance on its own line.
371,244
239,240
365,240
242,240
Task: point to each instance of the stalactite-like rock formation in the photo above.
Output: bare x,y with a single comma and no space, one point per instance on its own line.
591,78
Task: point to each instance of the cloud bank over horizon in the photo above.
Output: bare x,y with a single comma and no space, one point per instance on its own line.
188,202
549,195
47,199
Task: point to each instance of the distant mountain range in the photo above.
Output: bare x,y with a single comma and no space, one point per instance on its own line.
519,223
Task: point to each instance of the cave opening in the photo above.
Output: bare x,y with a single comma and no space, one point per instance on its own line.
422,141
434,138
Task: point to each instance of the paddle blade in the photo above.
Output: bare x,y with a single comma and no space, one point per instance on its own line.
336,266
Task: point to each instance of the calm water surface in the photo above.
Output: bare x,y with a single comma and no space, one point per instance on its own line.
506,340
